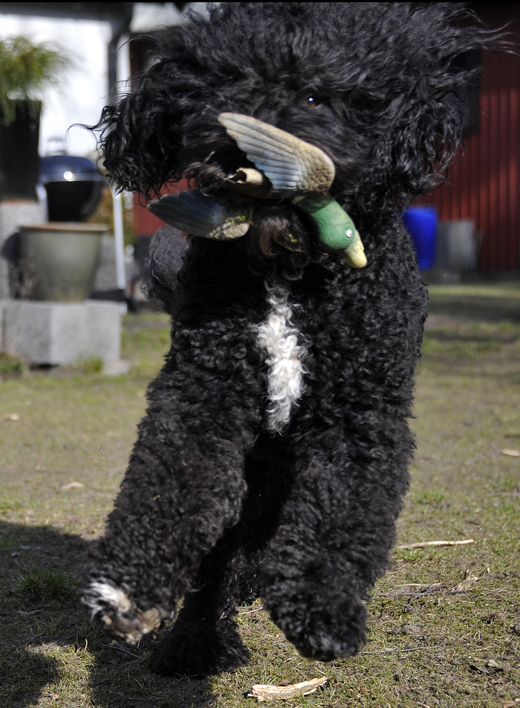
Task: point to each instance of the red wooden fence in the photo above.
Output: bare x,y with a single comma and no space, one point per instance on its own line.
484,184
146,223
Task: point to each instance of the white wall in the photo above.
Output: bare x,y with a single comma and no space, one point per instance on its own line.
85,87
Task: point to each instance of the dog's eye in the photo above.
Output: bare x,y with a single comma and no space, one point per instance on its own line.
311,101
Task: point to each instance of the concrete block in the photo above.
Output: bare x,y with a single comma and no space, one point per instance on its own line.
116,368
62,333
103,323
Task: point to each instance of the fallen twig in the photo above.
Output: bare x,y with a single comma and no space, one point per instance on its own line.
390,651
30,640
248,612
428,586
424,544
468,583
267,692
428,590
124,649
503,494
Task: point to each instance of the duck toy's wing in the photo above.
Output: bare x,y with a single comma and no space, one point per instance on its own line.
198,215
290,164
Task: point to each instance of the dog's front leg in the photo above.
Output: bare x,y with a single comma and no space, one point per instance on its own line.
184,485
336,532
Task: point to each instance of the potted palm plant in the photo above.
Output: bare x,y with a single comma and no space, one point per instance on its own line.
57,261
27,70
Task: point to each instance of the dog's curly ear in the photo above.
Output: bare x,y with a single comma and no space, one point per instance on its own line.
425,121
139,135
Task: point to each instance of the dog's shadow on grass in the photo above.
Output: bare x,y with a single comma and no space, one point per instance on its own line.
48,648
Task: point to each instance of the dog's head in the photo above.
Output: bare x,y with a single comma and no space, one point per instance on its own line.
373,85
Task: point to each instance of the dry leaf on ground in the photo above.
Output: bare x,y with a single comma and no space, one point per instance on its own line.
467,584
275,693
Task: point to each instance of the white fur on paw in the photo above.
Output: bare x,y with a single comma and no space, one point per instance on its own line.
99,594
118,614
280,338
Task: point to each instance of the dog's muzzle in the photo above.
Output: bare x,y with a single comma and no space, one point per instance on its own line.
287,169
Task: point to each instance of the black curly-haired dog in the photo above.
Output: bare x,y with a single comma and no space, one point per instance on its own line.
273,457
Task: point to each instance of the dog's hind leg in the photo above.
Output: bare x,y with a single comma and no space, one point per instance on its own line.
334,539
204,640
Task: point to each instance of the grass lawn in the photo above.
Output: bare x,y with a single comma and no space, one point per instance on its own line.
65,437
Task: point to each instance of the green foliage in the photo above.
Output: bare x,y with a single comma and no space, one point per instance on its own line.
509,483
26,71
91,365
7,504
433,497
10,365
104,214
46,583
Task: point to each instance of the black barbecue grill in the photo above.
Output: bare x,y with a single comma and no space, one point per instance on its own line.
74,187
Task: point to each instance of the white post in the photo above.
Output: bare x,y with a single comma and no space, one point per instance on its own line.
123,76
119,240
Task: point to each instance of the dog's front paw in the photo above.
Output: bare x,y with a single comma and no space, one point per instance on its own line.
113,609
322,625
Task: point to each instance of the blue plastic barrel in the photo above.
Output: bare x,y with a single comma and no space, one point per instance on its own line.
421,224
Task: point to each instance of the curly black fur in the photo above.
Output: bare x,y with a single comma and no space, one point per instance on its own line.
215,507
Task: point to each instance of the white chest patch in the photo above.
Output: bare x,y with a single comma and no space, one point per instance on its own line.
280,338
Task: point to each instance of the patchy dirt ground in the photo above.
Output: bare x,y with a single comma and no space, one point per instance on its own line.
445,621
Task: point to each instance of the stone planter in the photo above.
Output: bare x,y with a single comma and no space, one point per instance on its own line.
60,260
